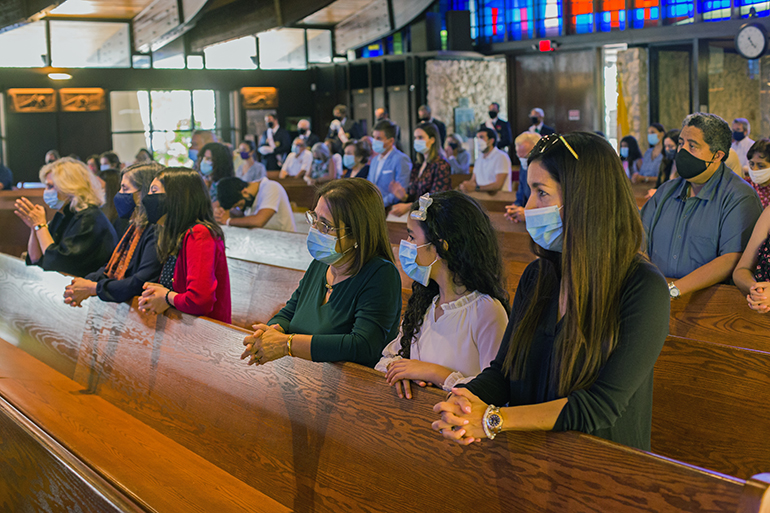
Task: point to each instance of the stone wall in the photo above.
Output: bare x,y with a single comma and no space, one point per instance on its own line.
734,93
466,83
633,70
673,88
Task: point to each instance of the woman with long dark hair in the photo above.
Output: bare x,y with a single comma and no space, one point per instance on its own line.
630,154
458,309
590,315
135,259
347,305
667,165
648,167
191,245
216,163
431,172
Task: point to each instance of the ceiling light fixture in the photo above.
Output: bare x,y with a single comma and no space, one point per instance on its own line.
59,76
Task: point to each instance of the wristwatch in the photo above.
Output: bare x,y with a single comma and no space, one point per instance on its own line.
673,291
492,421
40,226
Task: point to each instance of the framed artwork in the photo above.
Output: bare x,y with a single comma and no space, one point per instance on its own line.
259,98
86,99
32,100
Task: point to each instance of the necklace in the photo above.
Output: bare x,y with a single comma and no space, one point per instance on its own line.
328,287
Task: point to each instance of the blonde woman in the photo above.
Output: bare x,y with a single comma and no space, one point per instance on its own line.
79,239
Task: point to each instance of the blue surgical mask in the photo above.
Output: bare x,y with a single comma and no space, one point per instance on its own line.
193,154
206,167
407,253
653,139
523,163
420,146
295,149
624,152
105,167
349,161
124,204
318,162
378,146
51,198
545,227
323,247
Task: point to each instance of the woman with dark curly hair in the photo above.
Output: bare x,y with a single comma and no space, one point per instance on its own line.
456,316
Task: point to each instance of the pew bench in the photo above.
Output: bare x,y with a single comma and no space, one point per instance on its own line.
329,437
15,232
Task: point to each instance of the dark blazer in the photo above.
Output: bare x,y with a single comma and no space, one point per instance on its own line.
503,129
282,140
441,130
547,130
310,140
82,242
352,129
144,267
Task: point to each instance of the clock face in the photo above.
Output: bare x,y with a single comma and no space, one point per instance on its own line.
751,42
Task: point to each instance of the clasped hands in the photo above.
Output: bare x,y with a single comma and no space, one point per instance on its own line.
153,299
268,343
31,214
78,291
514,213
461,417
757,298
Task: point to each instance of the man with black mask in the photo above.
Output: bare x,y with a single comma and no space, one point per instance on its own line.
260,204
697,225
304,133
536,117
503,128
425,116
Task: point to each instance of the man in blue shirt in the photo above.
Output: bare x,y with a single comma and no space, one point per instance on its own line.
698,224
390,164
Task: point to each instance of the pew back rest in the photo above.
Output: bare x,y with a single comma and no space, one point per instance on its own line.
331,437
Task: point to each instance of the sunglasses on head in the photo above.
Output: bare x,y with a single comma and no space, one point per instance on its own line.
548,142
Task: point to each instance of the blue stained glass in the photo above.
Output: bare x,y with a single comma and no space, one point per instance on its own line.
605,22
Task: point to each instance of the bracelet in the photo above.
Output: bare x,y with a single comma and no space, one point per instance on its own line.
167,301
288,344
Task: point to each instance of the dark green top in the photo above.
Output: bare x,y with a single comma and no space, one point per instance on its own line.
618,405
358,321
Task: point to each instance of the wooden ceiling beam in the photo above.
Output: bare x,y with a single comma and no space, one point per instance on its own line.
18,11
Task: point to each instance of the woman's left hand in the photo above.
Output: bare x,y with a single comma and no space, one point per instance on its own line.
461,417
400,209
32,215
78,291
397,190
265,345
153,299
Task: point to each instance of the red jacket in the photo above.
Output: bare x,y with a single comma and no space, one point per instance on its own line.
201,278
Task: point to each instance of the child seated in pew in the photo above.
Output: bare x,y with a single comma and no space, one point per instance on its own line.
590,315
194,278
458,309
347,305
752,274
79,239
135,259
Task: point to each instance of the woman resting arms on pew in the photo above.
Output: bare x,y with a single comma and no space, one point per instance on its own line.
347,305
752,274
590,315
135,259
194,278
79,239
458,309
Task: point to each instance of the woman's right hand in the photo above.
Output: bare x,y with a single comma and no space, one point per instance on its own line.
757,297
78,291
31,214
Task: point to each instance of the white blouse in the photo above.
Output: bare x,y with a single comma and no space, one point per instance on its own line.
465,338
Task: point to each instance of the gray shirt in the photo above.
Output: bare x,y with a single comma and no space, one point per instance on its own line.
460,163
686,233
253,174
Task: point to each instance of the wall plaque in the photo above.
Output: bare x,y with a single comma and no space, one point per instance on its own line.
86,99
32,100
259,98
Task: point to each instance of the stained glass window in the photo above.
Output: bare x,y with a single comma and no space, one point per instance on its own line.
581,16
548,18
613,15
715,10
521,20
645,13
761,8
678,11
492,23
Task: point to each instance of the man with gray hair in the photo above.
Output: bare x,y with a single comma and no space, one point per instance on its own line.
536,116
698,224
741,141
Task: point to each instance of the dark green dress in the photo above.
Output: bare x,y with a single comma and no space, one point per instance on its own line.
358,321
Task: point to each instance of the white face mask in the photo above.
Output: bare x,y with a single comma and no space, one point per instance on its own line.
760,176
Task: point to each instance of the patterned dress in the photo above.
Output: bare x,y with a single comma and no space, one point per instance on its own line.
762,272
436,178
764,193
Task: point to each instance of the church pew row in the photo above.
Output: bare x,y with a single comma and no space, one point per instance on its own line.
140,469
321,437
165,368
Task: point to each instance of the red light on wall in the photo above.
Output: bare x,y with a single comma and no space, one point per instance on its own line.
545,46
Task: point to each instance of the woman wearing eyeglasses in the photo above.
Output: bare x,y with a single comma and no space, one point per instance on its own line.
590,315
347,305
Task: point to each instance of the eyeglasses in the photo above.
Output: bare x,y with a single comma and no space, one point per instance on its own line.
312,219
548,142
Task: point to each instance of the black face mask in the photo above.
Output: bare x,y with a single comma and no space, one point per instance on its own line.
425,119
454,146
689,166
124,204
338,118
534,120
249,201
670,154
270,124
493,114
155,206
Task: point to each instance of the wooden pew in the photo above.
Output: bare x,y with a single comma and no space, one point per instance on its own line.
15,233
710,406
331,437
720,314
